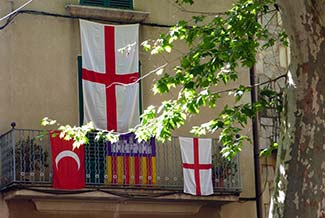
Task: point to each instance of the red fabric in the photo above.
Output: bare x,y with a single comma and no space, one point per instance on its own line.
197,166
114,169
109,77
127,170
68,165
137,170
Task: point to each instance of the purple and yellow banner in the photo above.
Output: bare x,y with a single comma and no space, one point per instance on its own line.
131,162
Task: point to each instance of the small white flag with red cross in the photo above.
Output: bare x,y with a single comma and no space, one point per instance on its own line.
110,71
197,165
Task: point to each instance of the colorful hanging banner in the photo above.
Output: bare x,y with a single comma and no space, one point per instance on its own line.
131,162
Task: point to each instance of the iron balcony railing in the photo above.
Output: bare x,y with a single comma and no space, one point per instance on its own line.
25,158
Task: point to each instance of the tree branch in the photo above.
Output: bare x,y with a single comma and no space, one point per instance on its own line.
252,86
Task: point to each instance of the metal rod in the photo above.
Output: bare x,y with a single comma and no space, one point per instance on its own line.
256,149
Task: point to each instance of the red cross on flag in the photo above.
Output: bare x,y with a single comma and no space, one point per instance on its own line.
110,70
68,164
197,165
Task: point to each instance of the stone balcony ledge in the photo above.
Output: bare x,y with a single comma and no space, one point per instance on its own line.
107,14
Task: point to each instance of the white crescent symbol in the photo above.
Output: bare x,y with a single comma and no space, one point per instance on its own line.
67,153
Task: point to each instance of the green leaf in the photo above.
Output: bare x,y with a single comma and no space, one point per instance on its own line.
268,151
168,48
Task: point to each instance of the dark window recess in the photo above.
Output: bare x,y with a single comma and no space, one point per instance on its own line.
123,4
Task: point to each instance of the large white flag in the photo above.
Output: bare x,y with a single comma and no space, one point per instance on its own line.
197,165
110,58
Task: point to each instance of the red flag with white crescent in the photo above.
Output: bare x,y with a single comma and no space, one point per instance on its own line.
68,164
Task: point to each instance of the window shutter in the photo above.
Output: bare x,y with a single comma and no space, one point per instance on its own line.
124,4
93,2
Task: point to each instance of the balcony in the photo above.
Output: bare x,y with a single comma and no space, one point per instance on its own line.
107,14
25,161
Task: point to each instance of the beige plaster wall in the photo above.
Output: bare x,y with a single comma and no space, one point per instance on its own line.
239,210
38,58
38,78
168,12
4,210
22,208
38,74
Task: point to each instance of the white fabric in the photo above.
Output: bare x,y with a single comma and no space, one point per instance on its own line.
126,62
92,46
128,107
206,182
94,96
205,175
126,49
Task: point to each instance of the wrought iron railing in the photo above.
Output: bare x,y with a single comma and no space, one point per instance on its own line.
25,158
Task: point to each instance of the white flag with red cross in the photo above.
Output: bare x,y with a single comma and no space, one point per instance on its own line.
110,71
197,165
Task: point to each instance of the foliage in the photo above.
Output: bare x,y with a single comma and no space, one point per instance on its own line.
78,134
268,151
217,48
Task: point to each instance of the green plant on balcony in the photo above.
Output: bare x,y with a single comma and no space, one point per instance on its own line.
31,160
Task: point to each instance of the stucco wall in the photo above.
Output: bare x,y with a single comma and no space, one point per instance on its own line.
21,208
4,211
39,77
39,53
